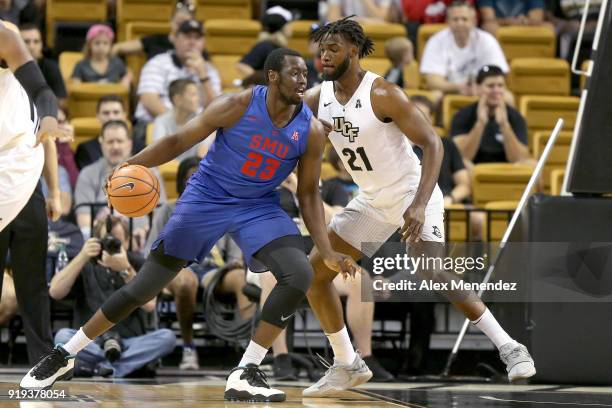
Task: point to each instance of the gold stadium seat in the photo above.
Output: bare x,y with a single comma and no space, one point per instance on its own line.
67,61
412,76
231,36
136,30
226,65
72,11
499,182
424,33
584,67
501,213
83,97
168,172
457,222
300,31
141,10
556,181
452,104
539,76
84,129
523,41
542,112
327,171
379,66
209,9
149,134
380,33
557,159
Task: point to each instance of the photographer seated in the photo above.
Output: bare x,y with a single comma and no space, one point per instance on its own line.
101,268
184,287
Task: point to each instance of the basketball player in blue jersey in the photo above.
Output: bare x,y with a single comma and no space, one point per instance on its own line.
262,134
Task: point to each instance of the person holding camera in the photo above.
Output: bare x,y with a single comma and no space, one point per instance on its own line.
102,267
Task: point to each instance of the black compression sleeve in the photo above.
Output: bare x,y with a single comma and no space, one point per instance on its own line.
32,80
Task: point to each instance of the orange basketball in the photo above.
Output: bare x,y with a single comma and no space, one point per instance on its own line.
133,191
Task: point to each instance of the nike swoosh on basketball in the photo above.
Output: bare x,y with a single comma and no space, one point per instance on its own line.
284,319
126,185
326,104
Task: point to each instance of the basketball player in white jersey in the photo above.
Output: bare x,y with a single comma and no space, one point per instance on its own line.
371,124
28,116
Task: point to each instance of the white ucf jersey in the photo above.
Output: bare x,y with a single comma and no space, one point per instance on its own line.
377,155
18,119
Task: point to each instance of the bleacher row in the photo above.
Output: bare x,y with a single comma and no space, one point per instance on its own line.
539,82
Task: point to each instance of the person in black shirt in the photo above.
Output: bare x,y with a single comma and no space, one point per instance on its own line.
490,130
90,278
454,178
274,35
30,33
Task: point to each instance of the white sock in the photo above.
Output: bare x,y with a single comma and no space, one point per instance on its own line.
341,344
254,354
77,343
489,326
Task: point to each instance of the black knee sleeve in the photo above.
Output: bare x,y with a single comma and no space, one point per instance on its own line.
158,270
288,262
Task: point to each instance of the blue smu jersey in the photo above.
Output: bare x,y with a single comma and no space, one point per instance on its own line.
252,158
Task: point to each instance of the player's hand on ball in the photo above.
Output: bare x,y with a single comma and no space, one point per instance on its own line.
342,264
108,181
414,217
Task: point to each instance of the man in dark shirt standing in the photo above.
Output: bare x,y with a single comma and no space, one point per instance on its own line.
490,130
30,33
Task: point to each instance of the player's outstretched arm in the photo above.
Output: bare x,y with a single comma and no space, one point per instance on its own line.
311,205
223,111
390,101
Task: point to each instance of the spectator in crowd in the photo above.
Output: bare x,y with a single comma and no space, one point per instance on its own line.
65,157
98,64
314,65
342,178
400,52
185,98
185,285
155,44
19,12
185,61
565,16
454,178
490,130
116,143
360,315
109,107
453,56
33,39
90,278
495,13
364,10
274,35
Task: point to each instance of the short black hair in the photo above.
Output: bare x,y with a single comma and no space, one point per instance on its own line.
177,87
109,98
488,71
423,100
115,124
350,30
28,27
181,174
274,61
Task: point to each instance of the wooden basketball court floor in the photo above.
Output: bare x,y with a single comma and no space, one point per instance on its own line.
201,392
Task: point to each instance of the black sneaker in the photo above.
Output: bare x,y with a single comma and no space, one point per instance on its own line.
250,384
378,371
56,366
283,368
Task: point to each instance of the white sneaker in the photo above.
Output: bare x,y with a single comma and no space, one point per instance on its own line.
250,384
56,366
190,359
339,378
519,363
